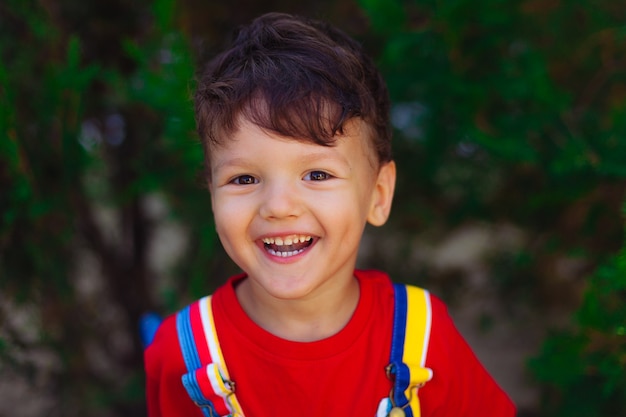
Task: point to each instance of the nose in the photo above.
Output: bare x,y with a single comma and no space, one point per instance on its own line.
280,200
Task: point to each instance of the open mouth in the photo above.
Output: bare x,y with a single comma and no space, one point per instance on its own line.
287,246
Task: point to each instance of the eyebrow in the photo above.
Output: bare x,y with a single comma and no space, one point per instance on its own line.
321,156
236,161
307,158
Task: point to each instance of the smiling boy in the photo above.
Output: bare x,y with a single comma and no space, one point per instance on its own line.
291,214
294,123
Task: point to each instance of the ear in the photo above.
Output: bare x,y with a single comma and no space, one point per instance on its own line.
382,194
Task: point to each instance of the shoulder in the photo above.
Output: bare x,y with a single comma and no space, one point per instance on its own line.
458,374
441,324
164,347
441,316
445,340
164,367
164,354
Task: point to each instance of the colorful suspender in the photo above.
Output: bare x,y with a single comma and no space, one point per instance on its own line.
209,386
409,346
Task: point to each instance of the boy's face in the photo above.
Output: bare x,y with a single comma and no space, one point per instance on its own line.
290,213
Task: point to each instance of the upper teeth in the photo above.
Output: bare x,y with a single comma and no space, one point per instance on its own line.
279,241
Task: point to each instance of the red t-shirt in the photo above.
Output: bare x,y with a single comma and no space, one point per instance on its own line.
338,376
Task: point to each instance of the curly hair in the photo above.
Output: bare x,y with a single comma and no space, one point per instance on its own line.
295,77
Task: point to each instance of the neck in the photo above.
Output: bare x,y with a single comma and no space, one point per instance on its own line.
303,320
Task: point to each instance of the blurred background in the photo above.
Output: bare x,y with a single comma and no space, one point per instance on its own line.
510,136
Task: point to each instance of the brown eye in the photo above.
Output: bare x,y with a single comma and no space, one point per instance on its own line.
244,180
317,176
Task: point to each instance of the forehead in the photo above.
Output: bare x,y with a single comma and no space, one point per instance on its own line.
356,139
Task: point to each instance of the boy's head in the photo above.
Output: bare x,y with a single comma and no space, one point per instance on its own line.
293,118
296,78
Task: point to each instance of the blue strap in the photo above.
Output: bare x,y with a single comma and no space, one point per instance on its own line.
400,372
192,361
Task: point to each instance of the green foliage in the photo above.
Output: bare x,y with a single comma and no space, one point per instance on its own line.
87,138
582,369
42,93
518,117
493,74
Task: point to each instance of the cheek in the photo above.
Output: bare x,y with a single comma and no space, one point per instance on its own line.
232,215
222,205
222,215
230,235
343,209
227,216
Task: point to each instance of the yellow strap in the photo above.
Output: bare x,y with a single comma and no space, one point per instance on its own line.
208,323
417,335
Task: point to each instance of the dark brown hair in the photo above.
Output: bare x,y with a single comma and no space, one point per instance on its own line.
295,77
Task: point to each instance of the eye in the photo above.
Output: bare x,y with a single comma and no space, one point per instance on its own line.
244,180
317,176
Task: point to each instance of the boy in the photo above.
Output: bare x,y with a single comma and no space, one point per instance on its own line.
294,123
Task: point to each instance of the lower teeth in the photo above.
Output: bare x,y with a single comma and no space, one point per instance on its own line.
285,254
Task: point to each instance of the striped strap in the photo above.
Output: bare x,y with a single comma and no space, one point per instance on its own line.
207,381
409,346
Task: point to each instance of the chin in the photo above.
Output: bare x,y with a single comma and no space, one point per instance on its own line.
287,289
